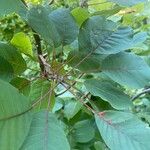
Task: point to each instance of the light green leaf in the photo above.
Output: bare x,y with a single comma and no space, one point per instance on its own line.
10,53
65,25
40,21
10,6
6,70
84,131
127,3
102,36
45,133
13,130
127,69
80,15
123,131
109,92
22,42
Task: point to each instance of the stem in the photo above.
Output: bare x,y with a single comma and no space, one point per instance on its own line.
141,93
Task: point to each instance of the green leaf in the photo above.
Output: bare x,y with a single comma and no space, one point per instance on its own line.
13,130
22,42
6,70
128,3
40,21
10,53
65,25
109,92
124,131
45,133
39,88
102,36
10,6
71,108
22,84
90,64
84,131
80,15
99,146
127,69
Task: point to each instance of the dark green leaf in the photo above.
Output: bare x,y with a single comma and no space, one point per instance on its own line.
6,70
40,21
10,6
10,53
65,25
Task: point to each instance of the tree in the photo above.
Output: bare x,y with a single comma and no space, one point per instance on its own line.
74,75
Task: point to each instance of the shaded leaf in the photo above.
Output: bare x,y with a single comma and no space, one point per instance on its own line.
6,70
10,53
39,20
65,25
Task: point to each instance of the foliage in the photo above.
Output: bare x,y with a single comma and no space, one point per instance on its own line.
74,75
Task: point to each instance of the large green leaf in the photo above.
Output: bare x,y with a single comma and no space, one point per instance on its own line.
40,21
45,133
102,36
65,25
127,69
13,130
6,70
10,53
127,3
108,91
10,6
123,131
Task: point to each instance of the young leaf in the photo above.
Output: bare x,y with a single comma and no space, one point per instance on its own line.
77,15
124,131
22,42
109,92
127,69
13,128
45,133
